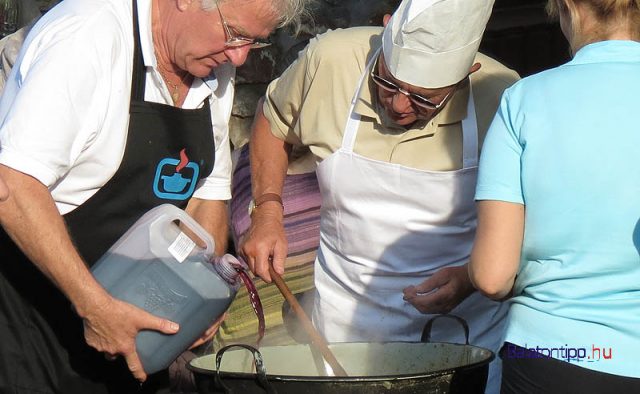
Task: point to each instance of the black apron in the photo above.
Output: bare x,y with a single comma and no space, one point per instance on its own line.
43,348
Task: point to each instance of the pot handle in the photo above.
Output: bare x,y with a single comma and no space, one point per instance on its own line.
426,332
258,361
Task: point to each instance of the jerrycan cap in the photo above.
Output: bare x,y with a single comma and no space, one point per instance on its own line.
227,267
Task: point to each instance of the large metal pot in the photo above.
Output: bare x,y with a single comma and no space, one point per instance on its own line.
391,367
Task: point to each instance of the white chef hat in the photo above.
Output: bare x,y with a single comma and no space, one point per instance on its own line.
432,43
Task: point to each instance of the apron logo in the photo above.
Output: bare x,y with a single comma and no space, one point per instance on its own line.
176,179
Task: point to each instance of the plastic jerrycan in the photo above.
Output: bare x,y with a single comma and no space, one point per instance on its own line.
158,267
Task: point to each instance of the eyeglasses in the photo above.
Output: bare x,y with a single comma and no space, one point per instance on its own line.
417,99
236,41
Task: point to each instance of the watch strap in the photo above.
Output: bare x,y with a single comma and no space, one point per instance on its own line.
268,197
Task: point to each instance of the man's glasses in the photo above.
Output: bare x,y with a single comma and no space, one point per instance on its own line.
417,99
236,41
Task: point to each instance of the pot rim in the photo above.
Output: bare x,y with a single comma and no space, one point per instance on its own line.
354,378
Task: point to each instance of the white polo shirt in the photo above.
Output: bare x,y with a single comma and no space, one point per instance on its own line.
64,112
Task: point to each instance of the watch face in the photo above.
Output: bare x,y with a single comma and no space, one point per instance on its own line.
252,206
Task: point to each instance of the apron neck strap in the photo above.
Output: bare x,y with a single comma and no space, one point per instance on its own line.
139,75
470,134
353,119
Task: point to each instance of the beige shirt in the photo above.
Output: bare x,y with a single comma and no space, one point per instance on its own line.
308,105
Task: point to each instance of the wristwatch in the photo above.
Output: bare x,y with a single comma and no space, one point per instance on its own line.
255,203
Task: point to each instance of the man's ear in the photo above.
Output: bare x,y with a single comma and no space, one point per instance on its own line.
183,5
475,67
385,19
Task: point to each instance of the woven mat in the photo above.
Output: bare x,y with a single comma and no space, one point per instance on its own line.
301,197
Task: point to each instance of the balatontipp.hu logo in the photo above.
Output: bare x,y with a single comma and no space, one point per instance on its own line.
566,353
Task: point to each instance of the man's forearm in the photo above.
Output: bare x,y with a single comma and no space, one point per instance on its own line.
212,215
269,157
265,243
32,220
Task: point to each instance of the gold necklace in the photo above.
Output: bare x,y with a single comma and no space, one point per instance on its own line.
175,93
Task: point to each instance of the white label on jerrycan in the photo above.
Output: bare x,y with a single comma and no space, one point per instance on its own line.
181,247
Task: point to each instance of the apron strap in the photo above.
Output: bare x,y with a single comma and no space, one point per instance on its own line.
139,75
353,119
470,134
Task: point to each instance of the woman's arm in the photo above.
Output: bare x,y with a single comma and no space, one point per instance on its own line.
496,252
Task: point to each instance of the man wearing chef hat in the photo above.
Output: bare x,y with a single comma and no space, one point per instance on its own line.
395,119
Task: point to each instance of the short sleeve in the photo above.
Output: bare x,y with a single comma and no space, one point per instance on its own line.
53,108
285,96
217,186
500,162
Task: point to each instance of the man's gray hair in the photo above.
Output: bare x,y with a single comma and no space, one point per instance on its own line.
289,12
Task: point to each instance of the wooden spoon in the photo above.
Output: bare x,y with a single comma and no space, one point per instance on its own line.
316,339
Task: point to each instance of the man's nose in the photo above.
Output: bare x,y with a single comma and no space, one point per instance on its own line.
238,55
400,103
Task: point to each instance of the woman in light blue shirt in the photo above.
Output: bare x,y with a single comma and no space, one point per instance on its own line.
559,210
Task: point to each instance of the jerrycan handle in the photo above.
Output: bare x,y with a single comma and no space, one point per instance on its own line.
166,214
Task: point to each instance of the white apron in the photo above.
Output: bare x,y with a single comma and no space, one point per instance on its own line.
384,227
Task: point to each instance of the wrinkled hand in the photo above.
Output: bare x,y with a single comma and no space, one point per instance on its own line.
112,327
265,242
4,190
442,292
211,331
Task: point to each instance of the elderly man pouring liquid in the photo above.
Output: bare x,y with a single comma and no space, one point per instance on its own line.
107,100
395,119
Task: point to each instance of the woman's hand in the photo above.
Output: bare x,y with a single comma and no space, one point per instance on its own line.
442,292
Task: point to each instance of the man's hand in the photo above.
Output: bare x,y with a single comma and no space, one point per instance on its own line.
265,242
112,325
31,218
441,292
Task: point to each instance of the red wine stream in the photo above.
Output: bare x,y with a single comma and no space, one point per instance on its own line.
254,298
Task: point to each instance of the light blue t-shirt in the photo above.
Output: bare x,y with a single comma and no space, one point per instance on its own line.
566,144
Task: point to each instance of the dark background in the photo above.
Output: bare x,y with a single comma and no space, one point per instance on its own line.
521,35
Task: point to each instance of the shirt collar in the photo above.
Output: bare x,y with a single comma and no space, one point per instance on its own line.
456,109
366,103
610,51
218,85
146,41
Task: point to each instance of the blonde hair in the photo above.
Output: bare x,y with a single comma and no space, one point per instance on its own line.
610,15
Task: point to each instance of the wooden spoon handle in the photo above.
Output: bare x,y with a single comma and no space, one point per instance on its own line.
316,339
